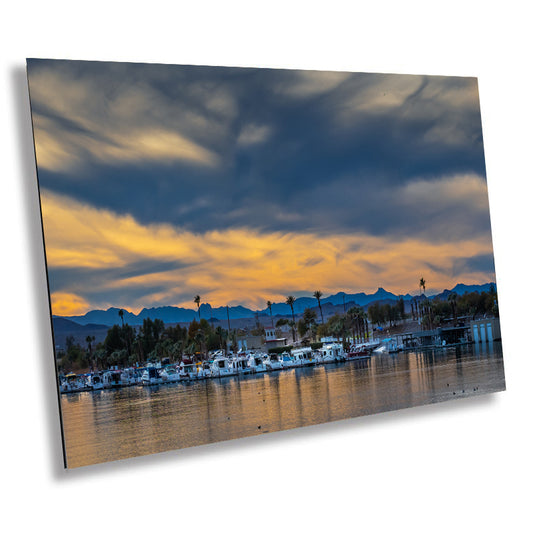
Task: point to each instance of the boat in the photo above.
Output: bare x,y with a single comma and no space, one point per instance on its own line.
256,363
389,346
129,377
332,353
288,361
95,382
111,379
358,352
150,376
73,383
304,356
239,364
220,367
206,369
273,362
169,374
189,370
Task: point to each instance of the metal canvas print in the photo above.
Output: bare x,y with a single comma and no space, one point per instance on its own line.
238,251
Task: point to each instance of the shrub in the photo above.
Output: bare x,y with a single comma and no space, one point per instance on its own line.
280,349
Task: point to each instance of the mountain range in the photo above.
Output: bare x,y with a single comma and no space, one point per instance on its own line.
170,314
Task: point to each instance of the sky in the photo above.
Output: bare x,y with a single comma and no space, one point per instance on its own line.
242,185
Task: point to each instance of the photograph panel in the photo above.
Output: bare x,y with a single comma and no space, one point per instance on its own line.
238,251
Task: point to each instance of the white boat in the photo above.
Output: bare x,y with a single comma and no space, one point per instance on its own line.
332,353
95,381
169,374
358,352
189,370
239,364
150,376
111,379
206,369
256,363
128,377
221,367
273,362
389,346
73,383
288,361
304,356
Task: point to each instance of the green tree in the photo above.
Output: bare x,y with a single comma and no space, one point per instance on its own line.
89,340
352,316
193,329
309,316
114,340
376,313
337,326
452,298
305,324
149,334
302,328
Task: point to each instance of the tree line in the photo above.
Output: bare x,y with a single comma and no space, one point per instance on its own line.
127,346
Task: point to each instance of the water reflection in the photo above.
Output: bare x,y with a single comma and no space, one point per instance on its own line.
119,423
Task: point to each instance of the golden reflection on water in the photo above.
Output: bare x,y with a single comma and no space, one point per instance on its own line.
115,424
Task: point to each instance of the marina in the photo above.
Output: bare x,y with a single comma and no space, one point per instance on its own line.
218,366
116,423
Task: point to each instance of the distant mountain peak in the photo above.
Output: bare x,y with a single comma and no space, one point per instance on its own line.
171,314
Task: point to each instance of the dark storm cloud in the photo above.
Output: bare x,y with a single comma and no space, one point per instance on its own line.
460,266
480,263
91,281
286,151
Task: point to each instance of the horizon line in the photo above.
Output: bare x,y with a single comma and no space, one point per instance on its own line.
431,292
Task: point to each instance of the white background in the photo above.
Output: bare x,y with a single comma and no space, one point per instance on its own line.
461,466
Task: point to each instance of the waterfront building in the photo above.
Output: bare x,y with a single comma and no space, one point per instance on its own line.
272,340
485,330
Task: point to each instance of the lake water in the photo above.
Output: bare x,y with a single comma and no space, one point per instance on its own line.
115,424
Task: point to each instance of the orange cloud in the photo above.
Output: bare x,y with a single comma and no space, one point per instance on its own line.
68,304
237,266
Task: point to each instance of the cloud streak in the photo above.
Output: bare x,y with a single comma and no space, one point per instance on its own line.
160,182
237,266
106,120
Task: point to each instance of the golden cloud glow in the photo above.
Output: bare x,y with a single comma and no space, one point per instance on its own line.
68,304
237,266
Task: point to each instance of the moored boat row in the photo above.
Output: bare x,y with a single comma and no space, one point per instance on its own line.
218,366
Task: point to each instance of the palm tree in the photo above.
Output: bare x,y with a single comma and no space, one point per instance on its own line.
352,316
318,295
290,301
89,340
199,342
121,315
422,284
452,298
269,305
197,302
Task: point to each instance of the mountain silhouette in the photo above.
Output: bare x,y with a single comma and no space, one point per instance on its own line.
170,314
